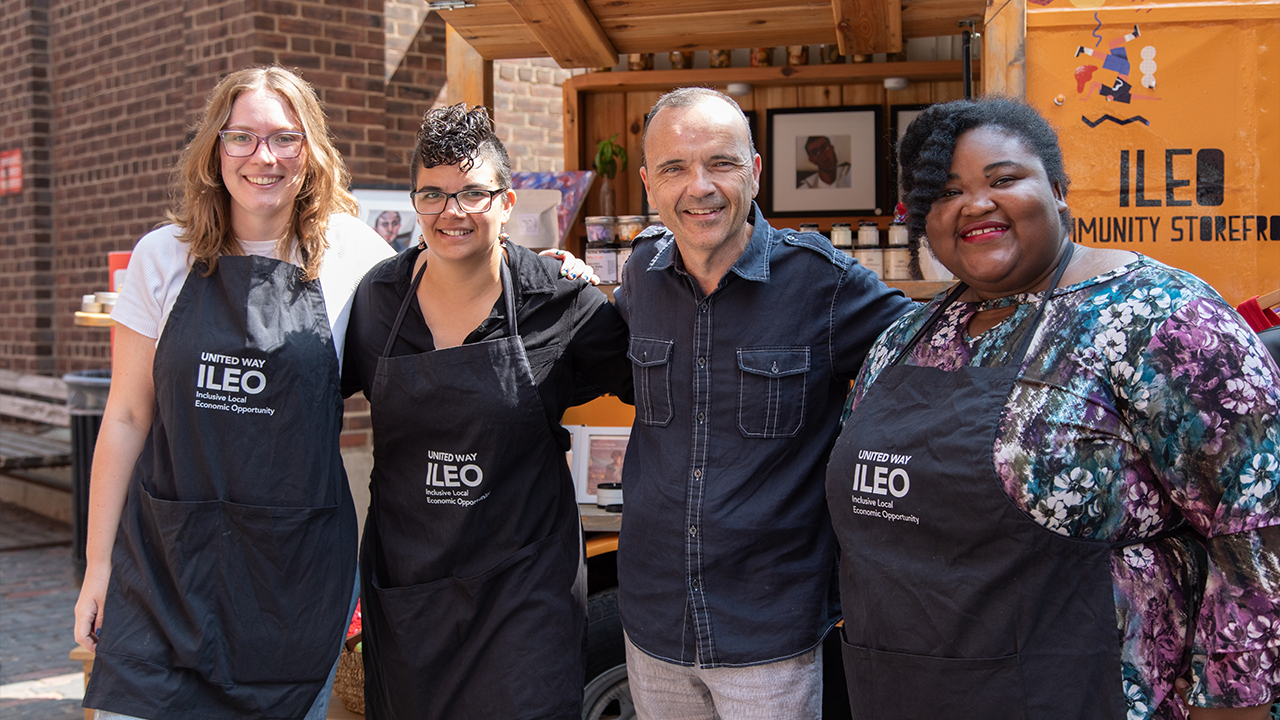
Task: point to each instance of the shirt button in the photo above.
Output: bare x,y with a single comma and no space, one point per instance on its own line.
693,531
702,417
697,473
695,584
702,308
702,362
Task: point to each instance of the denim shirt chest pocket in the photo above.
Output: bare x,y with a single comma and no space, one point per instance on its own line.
651,371
771,391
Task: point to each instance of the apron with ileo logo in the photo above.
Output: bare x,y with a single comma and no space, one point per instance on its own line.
233,566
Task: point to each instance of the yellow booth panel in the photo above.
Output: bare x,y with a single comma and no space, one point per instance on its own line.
1169,115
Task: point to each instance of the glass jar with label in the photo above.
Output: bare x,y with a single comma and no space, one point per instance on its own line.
629,226
897,257
603,260
601,254
867,251
842,237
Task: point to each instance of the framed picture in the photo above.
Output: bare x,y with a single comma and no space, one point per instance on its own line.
598,455
825,161
900,116
390,214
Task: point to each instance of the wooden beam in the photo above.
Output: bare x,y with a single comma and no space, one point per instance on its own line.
865,27
1004,48
470,76
568,31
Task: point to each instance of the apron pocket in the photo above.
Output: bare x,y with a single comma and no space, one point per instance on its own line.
896,686
505,643
252,590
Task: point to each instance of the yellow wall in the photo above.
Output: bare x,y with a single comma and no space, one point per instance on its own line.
1216,95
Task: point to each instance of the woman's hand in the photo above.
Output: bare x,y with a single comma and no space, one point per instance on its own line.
1257,712
93,592
572,267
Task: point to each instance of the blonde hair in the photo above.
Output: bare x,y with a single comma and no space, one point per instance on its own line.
202,203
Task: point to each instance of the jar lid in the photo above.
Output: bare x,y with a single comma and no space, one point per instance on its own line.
839,225
633,218
868,223
601,220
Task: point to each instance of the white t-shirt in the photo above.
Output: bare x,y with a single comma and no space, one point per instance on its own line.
161,262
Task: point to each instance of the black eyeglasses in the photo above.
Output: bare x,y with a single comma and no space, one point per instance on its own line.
471,202
284,145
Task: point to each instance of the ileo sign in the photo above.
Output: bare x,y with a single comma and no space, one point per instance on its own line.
1167,115
10,172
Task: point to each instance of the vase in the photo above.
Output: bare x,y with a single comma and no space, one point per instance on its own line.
607,196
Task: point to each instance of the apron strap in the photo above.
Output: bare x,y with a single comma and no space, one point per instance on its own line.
508,295
1023,346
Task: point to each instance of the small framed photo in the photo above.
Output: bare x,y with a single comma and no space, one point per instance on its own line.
390,214
598,455
900,116
825,161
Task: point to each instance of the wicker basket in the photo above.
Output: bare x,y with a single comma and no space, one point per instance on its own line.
348,683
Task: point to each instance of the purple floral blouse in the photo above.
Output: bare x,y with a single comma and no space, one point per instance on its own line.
1145,399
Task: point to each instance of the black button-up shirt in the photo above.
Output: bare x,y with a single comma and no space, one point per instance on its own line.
571,335
727,554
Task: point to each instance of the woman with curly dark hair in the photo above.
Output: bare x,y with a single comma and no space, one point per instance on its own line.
469,349
1056,492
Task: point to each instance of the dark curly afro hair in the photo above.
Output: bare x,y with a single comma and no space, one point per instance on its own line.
924,153
456,135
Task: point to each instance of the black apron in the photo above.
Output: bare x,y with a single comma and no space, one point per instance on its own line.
956,603
473,581
234,562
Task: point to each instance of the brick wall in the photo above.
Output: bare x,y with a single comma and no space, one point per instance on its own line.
101,96
118,109
26,219
413,88
529,111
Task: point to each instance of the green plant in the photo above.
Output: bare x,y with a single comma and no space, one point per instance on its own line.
610,157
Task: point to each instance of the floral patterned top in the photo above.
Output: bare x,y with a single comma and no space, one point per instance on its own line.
1145,400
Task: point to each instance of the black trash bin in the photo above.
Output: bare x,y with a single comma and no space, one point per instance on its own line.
86,399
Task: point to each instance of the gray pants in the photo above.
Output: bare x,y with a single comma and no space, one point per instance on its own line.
790,688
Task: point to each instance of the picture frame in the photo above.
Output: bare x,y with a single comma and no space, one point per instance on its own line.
900,116
847,136
598,454
376,209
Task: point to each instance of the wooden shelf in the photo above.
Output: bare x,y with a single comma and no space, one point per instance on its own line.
85,319
787,75
920,289
596,520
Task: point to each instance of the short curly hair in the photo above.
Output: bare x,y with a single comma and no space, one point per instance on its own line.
925,150
457,135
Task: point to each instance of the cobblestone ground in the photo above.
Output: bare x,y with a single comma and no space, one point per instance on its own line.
38,593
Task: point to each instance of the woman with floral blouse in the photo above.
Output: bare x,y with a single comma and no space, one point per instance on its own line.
1056,489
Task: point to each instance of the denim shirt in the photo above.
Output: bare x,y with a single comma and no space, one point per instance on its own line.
727,556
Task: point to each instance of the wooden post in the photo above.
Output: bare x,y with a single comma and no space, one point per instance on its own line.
470,76
1004,48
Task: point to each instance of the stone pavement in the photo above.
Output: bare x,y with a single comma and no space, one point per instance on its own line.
38,593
